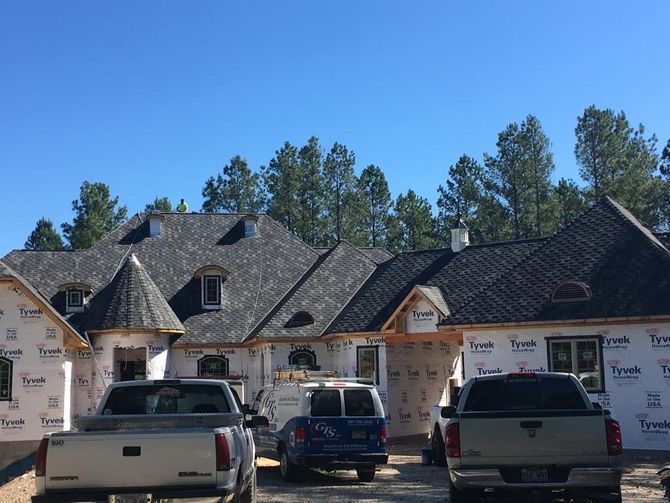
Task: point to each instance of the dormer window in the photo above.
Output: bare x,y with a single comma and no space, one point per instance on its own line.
75,296
300,319
211,278
571,291
250,226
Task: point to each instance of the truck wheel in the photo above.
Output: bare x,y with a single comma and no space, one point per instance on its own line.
249,494
366,474
437,445
287,470
615,495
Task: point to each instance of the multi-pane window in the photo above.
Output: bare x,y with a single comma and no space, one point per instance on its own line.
5,379
304,358
367,362
213,366
75,298
581,357
212,290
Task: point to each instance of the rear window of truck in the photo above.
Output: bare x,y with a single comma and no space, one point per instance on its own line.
528,393
167,399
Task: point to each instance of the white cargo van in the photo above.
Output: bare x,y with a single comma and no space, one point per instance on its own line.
326,423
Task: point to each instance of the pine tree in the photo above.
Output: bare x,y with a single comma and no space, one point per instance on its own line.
44,237
570,201
340,185
96,214
282,179
412,225
161,204
311,225
460,197
375,204
237,191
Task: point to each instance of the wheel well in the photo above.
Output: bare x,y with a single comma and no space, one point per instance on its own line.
280,447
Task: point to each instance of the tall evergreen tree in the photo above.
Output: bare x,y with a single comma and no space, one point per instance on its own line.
412,225
619,161
237,191
311,225
461,196
340,185
569,200
509,179
538,164
161,204
96,214
375,204
282,178
44,237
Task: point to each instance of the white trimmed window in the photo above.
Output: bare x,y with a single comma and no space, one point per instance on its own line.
581,356
75,296
211,290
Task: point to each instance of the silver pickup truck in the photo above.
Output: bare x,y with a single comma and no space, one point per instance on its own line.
164,438
532,433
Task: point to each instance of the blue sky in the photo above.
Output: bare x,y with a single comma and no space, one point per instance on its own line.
153,97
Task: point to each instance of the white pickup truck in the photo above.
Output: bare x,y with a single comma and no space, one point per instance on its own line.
536,433
164,438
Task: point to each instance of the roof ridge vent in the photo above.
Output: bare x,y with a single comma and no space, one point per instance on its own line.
571,291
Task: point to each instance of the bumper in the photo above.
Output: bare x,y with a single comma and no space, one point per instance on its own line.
342,461
156,493
491,478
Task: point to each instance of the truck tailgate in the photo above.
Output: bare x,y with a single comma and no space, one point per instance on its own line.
541,438
91,460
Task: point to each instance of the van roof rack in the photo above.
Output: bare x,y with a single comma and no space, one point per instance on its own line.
297,375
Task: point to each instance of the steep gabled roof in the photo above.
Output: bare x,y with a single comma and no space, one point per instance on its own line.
132,301
322,292
625,265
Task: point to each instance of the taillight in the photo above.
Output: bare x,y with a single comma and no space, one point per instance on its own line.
452,435
222,453
382,434
41,464
614,447
300,435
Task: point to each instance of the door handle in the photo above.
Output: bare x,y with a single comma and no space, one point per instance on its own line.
531,424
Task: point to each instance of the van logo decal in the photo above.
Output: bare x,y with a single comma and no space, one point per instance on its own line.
326,430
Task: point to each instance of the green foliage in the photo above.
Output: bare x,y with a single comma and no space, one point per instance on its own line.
44,237
161,204
96,214
412,226
340,193
282,179
461,196
237,191
374,204
570,201
617,160
310,222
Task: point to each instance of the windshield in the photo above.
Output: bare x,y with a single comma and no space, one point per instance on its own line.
526,393
167,399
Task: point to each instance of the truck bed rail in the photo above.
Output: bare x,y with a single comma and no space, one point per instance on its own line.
156,421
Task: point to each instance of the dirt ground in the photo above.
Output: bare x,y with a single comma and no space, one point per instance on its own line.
404,479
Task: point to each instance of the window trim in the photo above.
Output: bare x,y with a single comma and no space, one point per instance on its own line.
209,357
72,306
358,361
574,338
205,278
10,367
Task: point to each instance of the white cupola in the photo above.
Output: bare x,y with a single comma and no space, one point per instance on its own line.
155,220
250,226
459,235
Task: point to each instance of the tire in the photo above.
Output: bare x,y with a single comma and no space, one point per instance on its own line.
615,495
366,474
287,470
437,446
249,494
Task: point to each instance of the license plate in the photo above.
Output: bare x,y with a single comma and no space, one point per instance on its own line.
359,434
131,498
534,475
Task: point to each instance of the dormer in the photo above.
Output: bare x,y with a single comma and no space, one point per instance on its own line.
75,296
211,280
155,220
250,225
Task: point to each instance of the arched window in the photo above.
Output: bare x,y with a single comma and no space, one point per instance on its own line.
213,366
300,319
302,358
571,291
5,379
